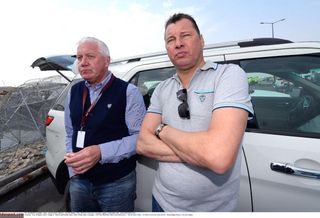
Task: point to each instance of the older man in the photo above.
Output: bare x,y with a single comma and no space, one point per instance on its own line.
103,115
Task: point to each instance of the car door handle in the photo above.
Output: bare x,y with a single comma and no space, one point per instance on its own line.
296,171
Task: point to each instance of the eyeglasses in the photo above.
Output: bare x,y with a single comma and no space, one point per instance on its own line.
183,108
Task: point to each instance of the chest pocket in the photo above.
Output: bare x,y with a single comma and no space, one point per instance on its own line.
202,103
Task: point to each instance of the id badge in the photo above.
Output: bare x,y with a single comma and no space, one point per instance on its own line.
80,139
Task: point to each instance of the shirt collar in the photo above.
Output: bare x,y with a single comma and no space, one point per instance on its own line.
209,65
99,85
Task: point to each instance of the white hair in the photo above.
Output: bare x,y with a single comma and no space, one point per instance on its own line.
102,46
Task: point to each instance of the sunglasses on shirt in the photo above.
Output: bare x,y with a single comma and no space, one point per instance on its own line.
183,108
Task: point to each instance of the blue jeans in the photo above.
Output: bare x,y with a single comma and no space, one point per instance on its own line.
117,196
156,206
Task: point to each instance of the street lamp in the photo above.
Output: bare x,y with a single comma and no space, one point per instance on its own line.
272,23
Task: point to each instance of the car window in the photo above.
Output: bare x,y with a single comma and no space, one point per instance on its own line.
285,93
148,80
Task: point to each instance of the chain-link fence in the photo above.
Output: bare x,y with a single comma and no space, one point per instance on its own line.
23,111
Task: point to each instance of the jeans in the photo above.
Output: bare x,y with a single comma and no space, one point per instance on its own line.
155,206
117,196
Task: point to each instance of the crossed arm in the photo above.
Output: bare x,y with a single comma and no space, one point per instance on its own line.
215,149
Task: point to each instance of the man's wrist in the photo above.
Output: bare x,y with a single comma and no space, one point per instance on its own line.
159,129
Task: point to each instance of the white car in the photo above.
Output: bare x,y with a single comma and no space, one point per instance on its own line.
281,146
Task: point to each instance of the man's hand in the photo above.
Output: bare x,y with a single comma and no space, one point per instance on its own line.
83,160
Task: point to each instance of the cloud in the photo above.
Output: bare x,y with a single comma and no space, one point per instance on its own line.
167,4
34,28
44,30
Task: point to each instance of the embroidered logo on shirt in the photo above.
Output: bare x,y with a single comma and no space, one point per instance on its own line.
202,94
202,98
109,106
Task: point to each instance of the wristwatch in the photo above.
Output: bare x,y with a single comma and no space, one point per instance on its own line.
158,129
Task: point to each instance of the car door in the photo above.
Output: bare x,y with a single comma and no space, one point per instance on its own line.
283,149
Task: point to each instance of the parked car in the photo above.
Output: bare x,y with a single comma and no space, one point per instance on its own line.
281,146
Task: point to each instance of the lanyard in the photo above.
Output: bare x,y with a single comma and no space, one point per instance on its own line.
84,118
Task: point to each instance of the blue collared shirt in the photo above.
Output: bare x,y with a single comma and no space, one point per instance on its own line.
114,151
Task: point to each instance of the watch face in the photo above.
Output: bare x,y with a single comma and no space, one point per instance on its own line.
158,130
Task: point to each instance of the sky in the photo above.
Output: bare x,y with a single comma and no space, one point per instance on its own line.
38,28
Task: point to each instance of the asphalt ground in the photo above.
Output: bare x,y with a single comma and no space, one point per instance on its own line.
38,195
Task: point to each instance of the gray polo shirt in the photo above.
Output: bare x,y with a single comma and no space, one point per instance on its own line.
185,187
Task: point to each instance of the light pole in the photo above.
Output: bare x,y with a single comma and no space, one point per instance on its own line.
272,23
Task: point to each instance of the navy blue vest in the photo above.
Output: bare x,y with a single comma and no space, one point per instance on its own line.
105,123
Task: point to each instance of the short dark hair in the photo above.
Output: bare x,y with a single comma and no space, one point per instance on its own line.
179,16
